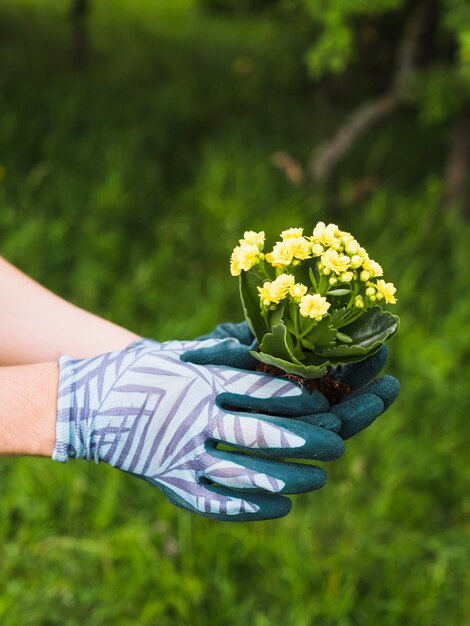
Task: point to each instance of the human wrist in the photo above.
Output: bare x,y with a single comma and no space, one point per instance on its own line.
28,400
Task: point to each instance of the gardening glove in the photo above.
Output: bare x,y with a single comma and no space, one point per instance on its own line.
145,411
370,396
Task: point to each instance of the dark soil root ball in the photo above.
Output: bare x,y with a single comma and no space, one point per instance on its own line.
333,390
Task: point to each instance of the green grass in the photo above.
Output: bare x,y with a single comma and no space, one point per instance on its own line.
125,188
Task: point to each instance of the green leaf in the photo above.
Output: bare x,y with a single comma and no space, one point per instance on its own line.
290,326
334,360
313,279
367,334
278,343
309,371
249,281
322,334
336,317
339,292
343,337
375,325
275,316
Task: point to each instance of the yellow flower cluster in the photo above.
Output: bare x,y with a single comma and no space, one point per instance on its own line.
310,305
248,253
338,258
294,247
340,254
275,291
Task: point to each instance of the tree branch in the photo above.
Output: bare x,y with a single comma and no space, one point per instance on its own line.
369,113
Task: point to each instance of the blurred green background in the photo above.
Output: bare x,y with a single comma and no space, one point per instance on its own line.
137,141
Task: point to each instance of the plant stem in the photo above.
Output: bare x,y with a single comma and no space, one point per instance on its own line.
309,328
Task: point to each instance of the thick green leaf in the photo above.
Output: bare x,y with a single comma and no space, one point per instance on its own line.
310,371
343,337
374,326
367,332
249,281
279,344
353,358
322,334
276,316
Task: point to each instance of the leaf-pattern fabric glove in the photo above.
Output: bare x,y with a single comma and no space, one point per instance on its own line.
370,396
149,413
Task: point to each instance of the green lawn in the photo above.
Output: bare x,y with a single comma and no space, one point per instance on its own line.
124,188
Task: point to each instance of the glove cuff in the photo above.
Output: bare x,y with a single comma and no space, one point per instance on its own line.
72,422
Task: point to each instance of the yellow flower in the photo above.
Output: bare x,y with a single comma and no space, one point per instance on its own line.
292,232
265,293
282,284
372,267
253,238
314,306
281,255
243,258
298,290
301,248
387,290
337,263
275,291
326,235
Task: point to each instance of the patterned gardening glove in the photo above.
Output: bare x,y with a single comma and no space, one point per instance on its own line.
147,412
370,396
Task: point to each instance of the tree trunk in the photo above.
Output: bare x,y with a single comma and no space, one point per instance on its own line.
80,40
457,167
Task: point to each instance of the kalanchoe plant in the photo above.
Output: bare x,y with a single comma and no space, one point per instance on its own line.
313,302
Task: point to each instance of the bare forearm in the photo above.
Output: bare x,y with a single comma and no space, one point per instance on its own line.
37,325
28,401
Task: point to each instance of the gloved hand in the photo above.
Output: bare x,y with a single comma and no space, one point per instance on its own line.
370,396
145,411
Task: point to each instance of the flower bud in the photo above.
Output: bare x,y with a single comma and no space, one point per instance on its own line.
333,280
326,271
370,291
347,277
356,261
364,276
373,298
359,302
352,247
380,296
317,249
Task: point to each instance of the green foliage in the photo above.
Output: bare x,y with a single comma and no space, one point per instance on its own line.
123,190
249,283
336,45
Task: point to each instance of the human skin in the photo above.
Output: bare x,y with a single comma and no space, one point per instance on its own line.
35,329
35,324
28,406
